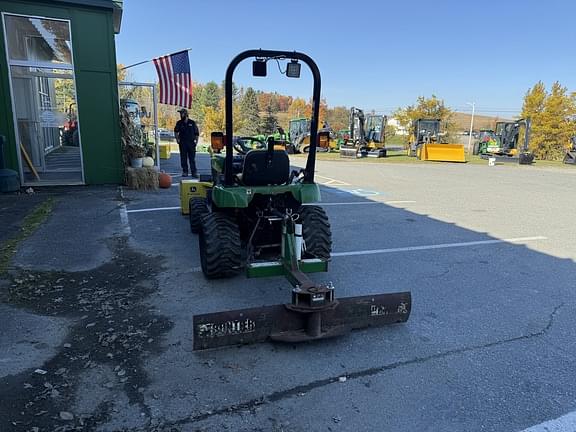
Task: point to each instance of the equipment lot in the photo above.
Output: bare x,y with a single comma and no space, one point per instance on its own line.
489,345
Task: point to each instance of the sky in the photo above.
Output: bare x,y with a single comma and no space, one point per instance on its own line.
374,54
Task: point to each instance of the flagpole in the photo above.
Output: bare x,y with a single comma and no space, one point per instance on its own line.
148,61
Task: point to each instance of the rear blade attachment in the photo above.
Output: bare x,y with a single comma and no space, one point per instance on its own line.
299,322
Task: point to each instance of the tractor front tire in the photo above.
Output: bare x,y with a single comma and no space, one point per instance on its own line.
220,246
198,209
316,232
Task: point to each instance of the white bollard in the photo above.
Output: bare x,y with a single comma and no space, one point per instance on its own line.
491,161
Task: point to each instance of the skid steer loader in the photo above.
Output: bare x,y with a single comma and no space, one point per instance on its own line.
260,217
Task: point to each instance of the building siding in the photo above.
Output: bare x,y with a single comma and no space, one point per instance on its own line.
96,87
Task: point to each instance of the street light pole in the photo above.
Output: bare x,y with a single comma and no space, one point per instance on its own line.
473,105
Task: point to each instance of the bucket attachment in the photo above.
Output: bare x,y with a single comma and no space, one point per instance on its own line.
300,322
442,152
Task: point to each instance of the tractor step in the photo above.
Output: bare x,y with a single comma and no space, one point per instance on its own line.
285,323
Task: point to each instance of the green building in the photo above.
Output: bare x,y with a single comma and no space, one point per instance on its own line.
59,90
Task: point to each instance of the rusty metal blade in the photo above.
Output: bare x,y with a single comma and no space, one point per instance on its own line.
246,326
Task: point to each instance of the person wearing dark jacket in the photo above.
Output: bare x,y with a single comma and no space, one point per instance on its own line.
186,132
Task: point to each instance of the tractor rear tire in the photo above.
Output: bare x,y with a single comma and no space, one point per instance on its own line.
198,209
220,246
316,232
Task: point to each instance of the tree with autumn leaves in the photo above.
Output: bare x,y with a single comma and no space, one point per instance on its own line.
553,115
426,108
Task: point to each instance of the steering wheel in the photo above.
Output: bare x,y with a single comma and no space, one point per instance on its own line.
241,147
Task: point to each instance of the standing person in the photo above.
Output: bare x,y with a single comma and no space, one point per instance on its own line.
186,132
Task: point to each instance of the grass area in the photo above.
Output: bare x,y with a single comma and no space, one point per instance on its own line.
401,157
396,140
30,224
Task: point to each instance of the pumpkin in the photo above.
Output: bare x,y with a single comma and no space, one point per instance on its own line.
164,180
148,162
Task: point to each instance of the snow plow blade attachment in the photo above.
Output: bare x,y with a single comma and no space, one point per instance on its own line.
288,323
442,152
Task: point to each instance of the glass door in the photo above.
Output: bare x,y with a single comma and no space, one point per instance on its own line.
44,99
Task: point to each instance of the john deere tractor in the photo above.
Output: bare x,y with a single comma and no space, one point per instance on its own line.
260,216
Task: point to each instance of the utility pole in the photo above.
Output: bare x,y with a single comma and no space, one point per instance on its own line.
473,105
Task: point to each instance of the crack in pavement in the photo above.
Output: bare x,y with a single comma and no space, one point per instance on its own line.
304,388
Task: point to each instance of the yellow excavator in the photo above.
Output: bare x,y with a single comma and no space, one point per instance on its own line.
366,137
514,142
426,143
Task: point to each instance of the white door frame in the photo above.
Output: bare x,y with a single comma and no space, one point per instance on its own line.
40,65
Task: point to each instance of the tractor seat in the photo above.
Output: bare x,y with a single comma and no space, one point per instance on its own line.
260,170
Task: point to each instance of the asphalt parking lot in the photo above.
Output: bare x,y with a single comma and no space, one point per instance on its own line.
487,252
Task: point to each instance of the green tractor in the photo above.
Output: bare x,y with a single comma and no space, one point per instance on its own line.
261,217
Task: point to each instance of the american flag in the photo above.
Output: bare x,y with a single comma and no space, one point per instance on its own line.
175,79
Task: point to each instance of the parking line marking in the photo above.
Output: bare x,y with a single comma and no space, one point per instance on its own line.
399,202
359,203
343,203
152,209
437,246
144,210
126,230
332,182
566,423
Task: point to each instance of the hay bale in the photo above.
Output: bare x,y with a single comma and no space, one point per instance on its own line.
142,178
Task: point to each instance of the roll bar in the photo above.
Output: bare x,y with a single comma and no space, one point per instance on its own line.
271,54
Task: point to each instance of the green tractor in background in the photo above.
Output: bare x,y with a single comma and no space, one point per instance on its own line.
260,216
487,142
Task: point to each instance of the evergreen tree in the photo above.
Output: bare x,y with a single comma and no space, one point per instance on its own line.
235,91
211,95
270,122
249,113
